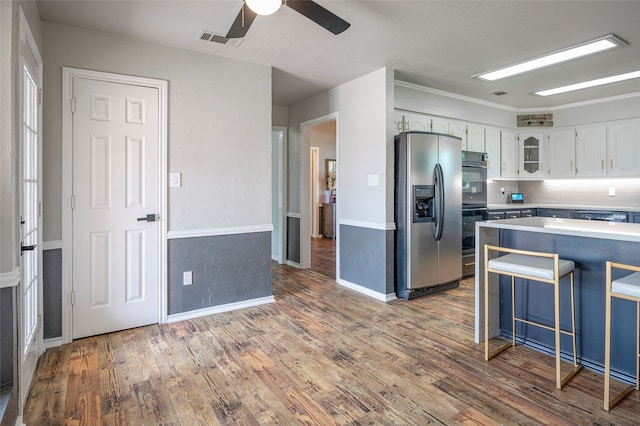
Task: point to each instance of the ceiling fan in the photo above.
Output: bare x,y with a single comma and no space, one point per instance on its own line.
312,10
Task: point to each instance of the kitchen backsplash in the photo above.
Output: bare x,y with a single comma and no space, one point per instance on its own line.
594,192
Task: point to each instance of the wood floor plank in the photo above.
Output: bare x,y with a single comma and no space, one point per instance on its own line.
322,354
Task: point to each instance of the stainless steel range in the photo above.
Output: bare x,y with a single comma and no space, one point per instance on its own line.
474,204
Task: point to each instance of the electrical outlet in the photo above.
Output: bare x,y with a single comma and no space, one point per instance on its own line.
187,278
612,191
501,191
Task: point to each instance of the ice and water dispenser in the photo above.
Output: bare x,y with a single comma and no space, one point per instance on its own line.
423,196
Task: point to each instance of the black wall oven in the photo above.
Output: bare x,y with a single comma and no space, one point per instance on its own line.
474,205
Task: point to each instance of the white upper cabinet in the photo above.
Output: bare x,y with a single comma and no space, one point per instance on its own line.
459,129
440,125
531,155
623,149
475,138
509,157
591,151
492,148
560,153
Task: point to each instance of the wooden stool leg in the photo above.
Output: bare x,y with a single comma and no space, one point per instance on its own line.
486,304
513,311
638,346
607,338
556,301
573,323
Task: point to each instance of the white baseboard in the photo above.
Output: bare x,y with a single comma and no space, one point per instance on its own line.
367,291
53,342
214,232
52,245
218,309
19,421
294,264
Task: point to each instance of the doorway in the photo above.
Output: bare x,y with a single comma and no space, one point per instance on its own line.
114,175
30,172
323,197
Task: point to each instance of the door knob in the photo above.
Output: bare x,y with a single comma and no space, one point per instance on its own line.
148,218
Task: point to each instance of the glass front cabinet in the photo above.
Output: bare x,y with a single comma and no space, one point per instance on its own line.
531,150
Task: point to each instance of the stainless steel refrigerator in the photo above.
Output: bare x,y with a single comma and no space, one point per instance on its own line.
428,213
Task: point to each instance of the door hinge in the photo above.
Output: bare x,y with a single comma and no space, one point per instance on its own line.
39,320
73,202
73,105
73,298
40,97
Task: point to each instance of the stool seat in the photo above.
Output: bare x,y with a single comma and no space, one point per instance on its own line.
538,267
629,285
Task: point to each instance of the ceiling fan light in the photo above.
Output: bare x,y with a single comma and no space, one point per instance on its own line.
264,7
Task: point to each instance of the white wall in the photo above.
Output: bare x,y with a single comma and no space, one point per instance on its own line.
434,102
219,126
363,110
280,115
606,110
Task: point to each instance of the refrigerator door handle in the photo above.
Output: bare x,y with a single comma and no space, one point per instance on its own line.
439,181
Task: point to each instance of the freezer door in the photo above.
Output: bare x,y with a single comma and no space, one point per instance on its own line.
450,248
422,258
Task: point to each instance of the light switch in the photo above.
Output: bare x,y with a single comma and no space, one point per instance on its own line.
373,180
187,278
612,191
175,179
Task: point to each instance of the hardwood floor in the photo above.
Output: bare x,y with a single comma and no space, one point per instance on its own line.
323,256
321,355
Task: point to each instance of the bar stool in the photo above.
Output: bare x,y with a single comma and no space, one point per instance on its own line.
627,287
536,266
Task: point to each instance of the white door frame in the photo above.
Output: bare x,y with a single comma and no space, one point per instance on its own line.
30,47
282,197
313,189
68,74
305,197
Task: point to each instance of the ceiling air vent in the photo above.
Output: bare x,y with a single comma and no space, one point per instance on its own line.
217,38
535,120
498,93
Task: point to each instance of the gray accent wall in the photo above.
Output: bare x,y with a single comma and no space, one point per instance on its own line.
293,239
367,258
6,336
52,293
226,269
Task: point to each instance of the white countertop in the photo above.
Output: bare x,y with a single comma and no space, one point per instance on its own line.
561,206
571,227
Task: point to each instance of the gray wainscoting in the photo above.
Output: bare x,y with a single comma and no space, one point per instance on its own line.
366,257
52,293
6,334
293,239
226,269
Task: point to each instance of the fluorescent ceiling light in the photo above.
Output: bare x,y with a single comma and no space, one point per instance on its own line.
590,83
603,43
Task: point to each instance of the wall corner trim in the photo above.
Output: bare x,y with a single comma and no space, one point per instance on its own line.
52,245
370,225
219,309
293,264
294,215
211,232
53,342
10,279
367,291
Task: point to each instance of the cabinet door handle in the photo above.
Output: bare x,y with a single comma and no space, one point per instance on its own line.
611,164
570,165
601,164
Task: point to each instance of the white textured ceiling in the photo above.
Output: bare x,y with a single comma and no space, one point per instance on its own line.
439,44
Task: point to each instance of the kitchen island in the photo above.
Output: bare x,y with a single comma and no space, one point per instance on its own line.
589,244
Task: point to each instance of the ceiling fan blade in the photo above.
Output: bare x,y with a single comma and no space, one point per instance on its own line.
242,23
319,15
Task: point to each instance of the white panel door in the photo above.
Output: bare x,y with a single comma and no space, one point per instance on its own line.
475,138
509,155
492,147
116,179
